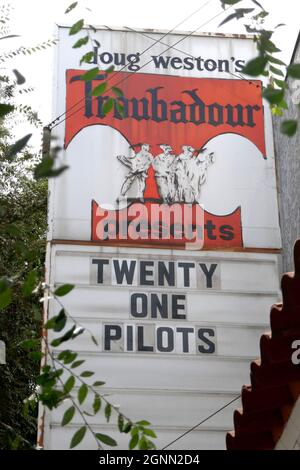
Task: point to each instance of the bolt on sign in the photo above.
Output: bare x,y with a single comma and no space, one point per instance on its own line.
167,224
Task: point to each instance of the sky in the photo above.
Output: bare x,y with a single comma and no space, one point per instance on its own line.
34,21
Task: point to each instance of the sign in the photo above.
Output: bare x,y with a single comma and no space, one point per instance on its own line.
167,224
154,179
157,306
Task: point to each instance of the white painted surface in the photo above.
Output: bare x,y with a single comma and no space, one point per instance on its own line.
172,390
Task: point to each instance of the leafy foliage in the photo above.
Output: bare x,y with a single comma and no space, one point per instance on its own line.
23,204
263,64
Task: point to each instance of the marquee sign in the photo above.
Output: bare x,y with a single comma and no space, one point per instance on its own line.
169,282
166,222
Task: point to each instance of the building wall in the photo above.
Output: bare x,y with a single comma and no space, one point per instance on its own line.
290,438
288,171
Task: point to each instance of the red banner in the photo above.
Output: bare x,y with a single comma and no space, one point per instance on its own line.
161,110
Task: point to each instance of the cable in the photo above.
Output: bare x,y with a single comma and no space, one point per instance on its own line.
201,422
141,53
240,76
144,65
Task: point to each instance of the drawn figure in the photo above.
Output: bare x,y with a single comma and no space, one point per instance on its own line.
197,172
181,180
138,165
162,165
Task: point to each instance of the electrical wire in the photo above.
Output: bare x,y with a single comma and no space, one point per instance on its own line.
240,76
201,422
141,53
133,73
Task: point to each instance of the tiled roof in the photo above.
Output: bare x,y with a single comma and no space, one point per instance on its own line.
275,381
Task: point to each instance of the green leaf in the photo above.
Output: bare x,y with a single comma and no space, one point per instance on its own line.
60,321
98,383
57,322
143,445
96,404
18,146
77,364
81,42
283,104
280,83
71,7
239,13
36,355
94,340
64,290
5,283
143,423
127,427
30,343
255,66
76,27
276,110
88,57
5,109
133,441
276,71
67,356
46,169
82,393
13,230
100,89
289,127
273,95
274,60
5,298
293,70
120,108
20,79
29,284
93,28
269,46
68,335
68,416
108,105
77,437
90,74
49,325
230,2
227,19
69,384
258,4
87,373
265,44
109,441
107,412
120,422
117,91
149,432
110,69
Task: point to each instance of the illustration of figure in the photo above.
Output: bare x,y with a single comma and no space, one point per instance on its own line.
197,172
138,165
163,165
181,169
